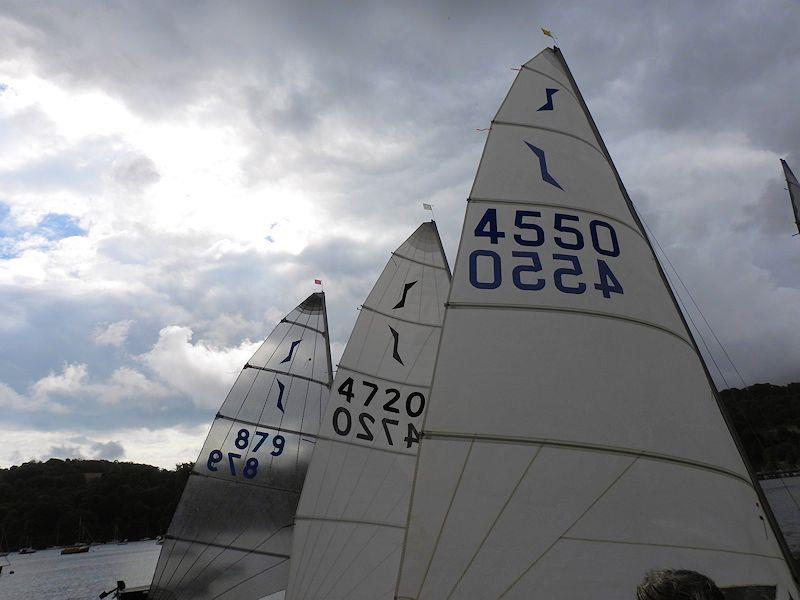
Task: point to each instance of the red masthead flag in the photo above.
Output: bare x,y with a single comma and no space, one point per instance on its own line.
318,281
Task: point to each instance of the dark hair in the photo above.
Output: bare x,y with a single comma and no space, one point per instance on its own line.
677,584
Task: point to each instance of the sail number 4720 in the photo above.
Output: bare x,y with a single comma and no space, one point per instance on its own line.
389,402
568,234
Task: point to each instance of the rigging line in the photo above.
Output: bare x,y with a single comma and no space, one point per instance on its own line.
567,530
360,581
367,507
245,554
747,394
444,520
496,519
227,435
261,572
691,297
280,425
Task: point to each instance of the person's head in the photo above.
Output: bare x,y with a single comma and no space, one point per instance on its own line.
669,584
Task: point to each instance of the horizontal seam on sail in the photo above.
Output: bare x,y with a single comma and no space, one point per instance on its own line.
419,262
551,78
388,316
593,313
238,482
304,326
376,448
551,130
351,521
686,462
225,546
275,427
558,206
374,376
322,383
624,542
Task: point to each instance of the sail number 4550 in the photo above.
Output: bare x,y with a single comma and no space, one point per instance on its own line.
343,419
530,234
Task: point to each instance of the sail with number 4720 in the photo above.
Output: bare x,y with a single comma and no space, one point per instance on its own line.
351,519
231,535
573,440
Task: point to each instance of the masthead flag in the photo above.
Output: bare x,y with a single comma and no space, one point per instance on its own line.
427,206
548,33
318,281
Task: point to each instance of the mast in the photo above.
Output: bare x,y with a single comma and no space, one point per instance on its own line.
351,518
573,441
230,537
794,193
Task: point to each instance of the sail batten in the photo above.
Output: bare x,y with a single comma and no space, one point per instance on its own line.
352,513
230,536
561,416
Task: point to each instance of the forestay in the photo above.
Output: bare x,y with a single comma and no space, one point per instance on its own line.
572,440
231,534
794,192
352,513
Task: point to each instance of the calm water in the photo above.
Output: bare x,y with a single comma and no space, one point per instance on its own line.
50,576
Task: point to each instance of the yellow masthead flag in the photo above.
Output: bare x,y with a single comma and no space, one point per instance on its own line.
546,31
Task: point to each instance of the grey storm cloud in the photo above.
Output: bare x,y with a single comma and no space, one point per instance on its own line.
108,450
373,108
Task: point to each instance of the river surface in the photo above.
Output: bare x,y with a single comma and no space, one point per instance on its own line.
47,575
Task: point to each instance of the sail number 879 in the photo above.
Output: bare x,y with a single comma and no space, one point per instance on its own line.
242,442
531,234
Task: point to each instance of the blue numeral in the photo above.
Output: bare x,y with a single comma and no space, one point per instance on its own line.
473,270
608,282
214,457
487,226
231,456
575,270
559,226
519,222
535,267
263,439
596,239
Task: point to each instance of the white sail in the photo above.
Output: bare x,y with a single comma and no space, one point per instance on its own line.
230,537
350,522
794,192
572,440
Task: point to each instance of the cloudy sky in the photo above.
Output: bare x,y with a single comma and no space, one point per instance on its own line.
174,175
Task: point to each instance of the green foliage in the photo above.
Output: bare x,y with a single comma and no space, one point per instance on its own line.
43,503
767,419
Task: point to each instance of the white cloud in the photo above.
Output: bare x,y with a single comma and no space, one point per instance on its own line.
114,334
199,370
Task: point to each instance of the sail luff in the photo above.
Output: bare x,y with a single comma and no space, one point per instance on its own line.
767,509
794,192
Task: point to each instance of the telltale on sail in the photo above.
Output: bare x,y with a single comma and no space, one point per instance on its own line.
573,440
231,535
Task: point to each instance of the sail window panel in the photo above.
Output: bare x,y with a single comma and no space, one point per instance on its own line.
543,507
439,470
383,481
533,102
481,498
410,291
537,259
260,523
356,561
713,511
397,350
614,570
234,575
574,378
295,350
510,170
240,452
